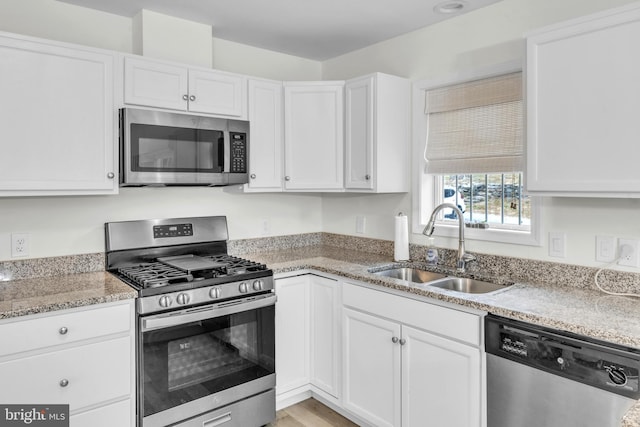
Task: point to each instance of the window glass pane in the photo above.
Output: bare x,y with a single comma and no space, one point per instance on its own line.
495,199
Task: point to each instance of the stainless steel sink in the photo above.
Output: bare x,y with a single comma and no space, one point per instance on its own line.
468,286
428,279
411,274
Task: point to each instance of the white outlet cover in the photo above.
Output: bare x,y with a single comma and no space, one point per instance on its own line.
633,259
20,245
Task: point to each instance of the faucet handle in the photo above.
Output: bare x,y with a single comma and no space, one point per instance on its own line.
467,257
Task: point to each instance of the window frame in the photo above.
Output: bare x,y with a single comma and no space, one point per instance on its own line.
423,196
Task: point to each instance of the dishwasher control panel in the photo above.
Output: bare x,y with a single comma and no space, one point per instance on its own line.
603,365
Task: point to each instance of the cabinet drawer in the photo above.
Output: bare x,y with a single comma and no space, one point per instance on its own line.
117,414
444,321
95,373
32,334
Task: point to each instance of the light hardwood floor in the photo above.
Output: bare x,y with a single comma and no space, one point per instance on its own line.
310,413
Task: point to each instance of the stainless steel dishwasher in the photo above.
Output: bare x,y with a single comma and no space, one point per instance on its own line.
539,377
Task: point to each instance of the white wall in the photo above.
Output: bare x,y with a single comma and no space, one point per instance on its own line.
61,226
75,225
482,38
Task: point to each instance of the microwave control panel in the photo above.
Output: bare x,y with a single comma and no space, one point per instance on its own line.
238,152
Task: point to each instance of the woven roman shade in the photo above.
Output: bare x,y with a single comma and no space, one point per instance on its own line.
476,127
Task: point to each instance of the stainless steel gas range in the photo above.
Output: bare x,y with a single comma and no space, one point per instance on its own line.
205,319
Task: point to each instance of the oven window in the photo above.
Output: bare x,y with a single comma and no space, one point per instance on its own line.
186,362
173,149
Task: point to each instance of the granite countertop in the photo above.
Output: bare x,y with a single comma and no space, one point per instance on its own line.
45,294
575,309
582,311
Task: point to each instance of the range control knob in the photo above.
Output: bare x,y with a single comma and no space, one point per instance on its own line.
617,376
214,293
182,298
257,285
165,301
243,288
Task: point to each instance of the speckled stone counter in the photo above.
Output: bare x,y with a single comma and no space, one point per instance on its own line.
570,308
45,294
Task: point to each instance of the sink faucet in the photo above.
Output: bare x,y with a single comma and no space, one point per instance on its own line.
463,257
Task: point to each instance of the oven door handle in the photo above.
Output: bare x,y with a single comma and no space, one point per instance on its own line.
166,320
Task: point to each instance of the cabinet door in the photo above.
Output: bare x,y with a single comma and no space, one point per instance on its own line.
359,129
213,92
57,133
371,363
583,99
155,84
314,136
377,134
265,148
325,335
292,333
440,381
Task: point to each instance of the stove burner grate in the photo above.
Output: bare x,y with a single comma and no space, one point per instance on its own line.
154,274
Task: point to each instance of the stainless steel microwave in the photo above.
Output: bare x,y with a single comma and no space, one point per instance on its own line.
163,148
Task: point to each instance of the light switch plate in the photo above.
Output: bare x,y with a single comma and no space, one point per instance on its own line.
605,248
557,244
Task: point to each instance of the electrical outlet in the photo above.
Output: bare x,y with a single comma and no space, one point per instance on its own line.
631,258
19,245
361,222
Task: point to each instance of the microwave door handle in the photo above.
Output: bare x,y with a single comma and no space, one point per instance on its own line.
227,152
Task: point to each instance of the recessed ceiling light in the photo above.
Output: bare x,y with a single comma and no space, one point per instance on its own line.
453,6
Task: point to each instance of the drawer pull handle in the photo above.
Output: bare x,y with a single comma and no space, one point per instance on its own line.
222,419
64,382
63,330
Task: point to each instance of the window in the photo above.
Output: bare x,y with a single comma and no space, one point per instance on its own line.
473,158
496,200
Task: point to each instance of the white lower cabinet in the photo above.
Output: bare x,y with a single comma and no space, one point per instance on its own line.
378,358
404,364
307,337
94,375
371,368
292,333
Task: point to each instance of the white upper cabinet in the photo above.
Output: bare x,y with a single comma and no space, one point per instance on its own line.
162,84
583,104
314,142
57,134
377,134
266,136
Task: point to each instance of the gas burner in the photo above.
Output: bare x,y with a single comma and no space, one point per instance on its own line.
154,274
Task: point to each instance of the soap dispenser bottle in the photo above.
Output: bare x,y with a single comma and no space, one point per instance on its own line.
432,252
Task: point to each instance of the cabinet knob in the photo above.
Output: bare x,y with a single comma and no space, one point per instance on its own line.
287,178
64,382
185,97
253,176
111,175
192,98
367,177
394,340
63,330
403,341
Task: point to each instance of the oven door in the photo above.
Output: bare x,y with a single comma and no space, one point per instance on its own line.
196,360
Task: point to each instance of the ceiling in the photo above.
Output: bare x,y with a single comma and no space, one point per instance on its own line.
317,30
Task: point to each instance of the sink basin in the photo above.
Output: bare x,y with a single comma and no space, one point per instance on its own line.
411,274
468,286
